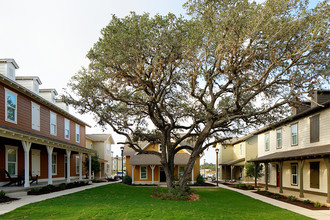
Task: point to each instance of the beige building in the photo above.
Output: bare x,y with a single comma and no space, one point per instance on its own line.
101,143
117,164
296,152
234,154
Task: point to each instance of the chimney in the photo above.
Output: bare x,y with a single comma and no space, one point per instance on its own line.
48,94
8,68
320,97
30,82
300,107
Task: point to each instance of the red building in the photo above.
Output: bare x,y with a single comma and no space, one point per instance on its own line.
37,134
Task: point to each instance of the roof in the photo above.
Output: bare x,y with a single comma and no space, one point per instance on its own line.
102,160
100,137
48,90
232,162
150,159
12,84
9,60
28,78
294,154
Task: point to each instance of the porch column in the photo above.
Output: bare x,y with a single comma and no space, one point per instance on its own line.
89,166
231,172
281,176
192,176
27,147
68,154
80,166
50,152
266,175
255,174
327,164
301,178
152,169
133,168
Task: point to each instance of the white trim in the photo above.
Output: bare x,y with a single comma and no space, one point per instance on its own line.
77,132
291,134
65,128
143,148
146,173
50,123
55,154
279,129
35,119
6,114
16,163
296,174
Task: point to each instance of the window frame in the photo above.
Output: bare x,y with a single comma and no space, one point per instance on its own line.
241,149
54,164
146,173
77,134
279,131
51,123
294,174
7,147
267,142
6,106
35,122
66,128
292,125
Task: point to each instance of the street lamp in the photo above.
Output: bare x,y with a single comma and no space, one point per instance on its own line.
117,164
204,169
122,163
217,152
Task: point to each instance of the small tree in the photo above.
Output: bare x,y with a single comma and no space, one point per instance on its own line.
95,164
250,170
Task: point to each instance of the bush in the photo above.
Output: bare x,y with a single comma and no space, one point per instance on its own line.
307,201
292,198
258,189
2,194
62,186
277,196
200,180
267,193
173,194
250,187
317,204
35,190
127,180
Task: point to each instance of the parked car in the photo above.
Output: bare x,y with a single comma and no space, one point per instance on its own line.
119,174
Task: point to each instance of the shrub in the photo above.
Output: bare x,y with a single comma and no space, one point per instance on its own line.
173,194
317,204
69,185
250,187
277,196
62,186
258,189
292,198
307,201
267,193
35,190
200,180
2,194
127,180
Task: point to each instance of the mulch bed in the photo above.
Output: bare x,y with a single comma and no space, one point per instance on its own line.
243,188
297,203
7,199
205,185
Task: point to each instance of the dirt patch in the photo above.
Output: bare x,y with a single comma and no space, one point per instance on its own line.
7,199
194,197
205,185
287,200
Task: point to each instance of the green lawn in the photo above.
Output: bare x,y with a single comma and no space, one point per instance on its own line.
117,201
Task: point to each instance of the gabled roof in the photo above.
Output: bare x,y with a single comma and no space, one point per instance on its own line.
100,137
150,159
232,162
29,78
9,60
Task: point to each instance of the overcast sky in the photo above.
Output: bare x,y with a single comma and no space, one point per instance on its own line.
50,38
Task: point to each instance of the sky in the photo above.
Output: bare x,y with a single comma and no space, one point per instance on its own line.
50,38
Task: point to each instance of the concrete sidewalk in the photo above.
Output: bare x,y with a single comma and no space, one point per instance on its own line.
25,199
316,214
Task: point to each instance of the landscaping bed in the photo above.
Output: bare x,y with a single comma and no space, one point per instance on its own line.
240,186
293,200
7,199
52,188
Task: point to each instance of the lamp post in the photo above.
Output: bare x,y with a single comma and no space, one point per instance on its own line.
204,169
122,163
117,164
217,152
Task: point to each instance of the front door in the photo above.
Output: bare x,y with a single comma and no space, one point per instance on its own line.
315,175
35,162
162,175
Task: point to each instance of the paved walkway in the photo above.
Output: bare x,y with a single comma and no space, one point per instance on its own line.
319,214
25,199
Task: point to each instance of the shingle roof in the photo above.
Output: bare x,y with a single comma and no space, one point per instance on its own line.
150,159
100,137
232,162
294,154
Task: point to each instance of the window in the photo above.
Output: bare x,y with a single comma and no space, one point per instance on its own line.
294,174
241,149
77,133
35,116
315,128
143,172
267,141
54,163
279,138
108,168
11,106
11,160
77,165
108,149
294,134
240,173
66,129
159,148
181,171
53,123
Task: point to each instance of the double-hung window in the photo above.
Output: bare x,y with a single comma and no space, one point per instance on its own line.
108,149
267,141
54,164
35,116
66,129
294,174
77,133
241,149
11,160
279,138
294,134
143,172
53,123
11,106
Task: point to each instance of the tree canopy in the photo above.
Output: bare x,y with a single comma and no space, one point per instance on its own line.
234,65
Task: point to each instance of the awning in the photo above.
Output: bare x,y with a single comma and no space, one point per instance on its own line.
303,153
232,162
102,160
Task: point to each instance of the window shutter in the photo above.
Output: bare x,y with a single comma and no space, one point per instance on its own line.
314,128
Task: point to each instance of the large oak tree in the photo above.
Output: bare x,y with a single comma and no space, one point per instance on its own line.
234,65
